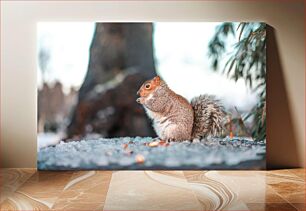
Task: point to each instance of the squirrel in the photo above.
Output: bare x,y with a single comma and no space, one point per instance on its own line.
174,118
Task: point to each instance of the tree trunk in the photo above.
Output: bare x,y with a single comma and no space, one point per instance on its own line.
121,59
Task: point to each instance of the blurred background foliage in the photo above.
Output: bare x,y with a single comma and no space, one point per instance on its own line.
246,61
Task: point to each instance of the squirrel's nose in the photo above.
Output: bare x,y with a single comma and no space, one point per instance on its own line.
138,100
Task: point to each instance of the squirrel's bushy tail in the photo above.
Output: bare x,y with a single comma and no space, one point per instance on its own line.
208,116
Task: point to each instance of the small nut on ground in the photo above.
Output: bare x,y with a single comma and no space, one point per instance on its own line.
139,158
161,142
125,146
153,144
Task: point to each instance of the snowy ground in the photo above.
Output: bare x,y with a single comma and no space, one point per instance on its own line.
136,153
47,139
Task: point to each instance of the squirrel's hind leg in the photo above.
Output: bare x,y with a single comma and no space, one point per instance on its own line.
160,140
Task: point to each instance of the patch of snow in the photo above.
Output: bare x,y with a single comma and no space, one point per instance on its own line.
47,139
102,153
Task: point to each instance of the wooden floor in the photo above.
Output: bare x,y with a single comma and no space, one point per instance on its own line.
28,189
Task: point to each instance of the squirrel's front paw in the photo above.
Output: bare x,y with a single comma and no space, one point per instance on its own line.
140,100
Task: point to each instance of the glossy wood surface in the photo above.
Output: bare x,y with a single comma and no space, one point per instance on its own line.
29,189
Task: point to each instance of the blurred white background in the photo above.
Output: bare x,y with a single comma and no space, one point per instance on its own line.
181,52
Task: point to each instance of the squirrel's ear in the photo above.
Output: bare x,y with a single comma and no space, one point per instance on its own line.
157,79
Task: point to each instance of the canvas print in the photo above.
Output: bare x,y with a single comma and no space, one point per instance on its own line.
164,95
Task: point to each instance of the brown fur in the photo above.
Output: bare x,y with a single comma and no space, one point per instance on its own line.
172,114
209,115
174,118
154,83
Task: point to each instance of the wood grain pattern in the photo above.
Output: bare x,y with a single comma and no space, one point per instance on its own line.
271,206
28,189
212,194
11,179
148,190
298,172
85,191
39,192
287,184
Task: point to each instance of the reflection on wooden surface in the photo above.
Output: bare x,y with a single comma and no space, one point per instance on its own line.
28,189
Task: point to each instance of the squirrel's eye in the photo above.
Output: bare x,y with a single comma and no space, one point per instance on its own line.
147,86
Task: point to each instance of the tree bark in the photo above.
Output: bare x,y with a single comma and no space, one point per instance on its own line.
121,59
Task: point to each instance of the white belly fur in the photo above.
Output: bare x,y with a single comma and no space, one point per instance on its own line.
162,126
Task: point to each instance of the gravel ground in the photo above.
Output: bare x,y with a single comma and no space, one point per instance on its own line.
136,153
